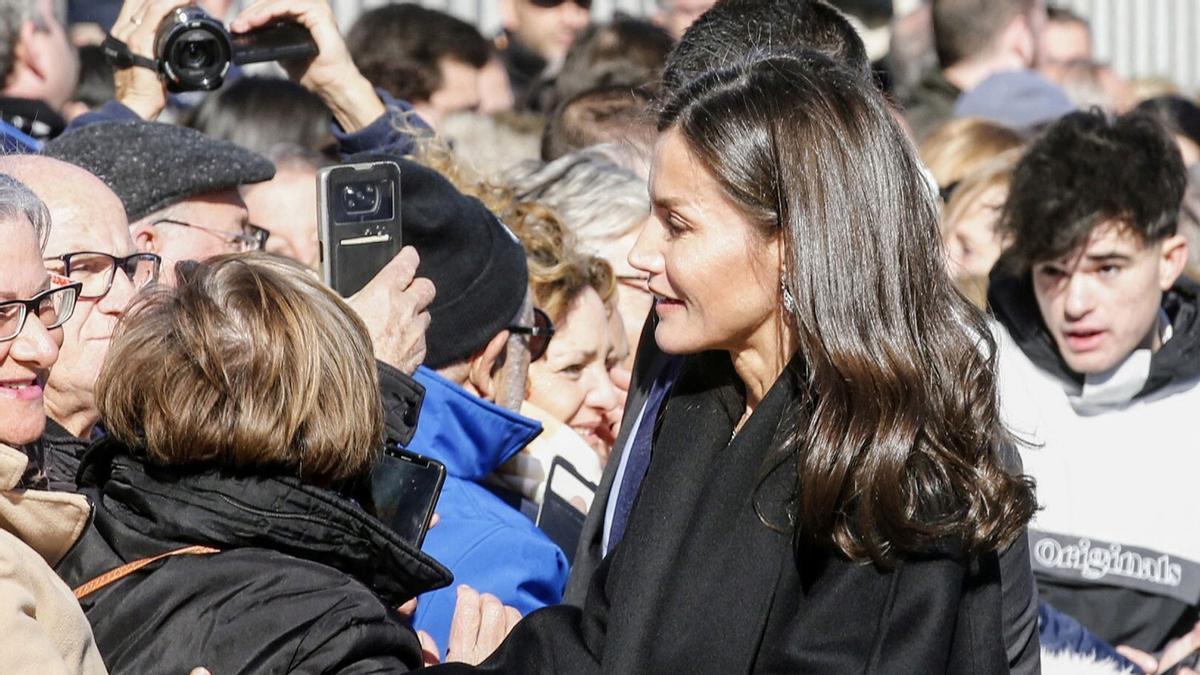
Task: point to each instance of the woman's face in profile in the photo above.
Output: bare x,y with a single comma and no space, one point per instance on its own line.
25,361
715,278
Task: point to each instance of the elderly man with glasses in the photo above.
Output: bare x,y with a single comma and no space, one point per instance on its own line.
90,245
179,187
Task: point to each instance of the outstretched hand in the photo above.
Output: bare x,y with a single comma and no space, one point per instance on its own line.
480,624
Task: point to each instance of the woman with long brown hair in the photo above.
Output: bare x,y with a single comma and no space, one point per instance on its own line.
826,491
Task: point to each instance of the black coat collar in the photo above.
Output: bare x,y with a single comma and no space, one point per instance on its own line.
142,510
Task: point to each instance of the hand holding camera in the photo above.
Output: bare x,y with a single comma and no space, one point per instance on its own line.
171,45
332,74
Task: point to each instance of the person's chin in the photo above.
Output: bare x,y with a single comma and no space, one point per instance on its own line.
23,429
1091,363
675,341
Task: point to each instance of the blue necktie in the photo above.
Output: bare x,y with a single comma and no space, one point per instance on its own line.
639,452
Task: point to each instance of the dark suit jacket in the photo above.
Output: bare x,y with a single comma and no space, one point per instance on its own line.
590,551
709,579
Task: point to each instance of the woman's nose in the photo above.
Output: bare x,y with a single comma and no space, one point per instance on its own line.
646,254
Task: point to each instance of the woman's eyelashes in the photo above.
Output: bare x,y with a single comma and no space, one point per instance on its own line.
572,370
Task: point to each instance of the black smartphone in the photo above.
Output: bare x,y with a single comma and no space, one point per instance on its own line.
359,215
565,505
405,488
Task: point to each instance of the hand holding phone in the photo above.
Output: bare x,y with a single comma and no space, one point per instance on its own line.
405,488
395,308
359,217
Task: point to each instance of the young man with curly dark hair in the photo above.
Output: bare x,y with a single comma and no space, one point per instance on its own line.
1100,374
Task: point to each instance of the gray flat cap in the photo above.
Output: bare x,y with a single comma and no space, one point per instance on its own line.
151,166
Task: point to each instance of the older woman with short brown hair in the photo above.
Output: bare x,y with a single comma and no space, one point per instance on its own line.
243,415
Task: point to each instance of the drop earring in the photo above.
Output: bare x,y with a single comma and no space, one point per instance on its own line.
789,301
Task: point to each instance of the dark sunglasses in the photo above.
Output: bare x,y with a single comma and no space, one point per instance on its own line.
550,4
539,334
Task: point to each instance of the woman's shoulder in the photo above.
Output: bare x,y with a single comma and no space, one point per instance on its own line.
251,602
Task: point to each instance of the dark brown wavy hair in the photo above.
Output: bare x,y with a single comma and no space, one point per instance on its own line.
898,437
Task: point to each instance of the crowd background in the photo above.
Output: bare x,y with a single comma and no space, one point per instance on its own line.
180,233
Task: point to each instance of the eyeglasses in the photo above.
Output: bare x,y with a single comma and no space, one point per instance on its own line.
251,238
52,307
549,4
539,334
96,271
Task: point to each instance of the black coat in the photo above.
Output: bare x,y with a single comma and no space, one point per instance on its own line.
63,451
305,581
702,583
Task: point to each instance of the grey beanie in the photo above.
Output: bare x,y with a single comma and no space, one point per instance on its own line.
151,165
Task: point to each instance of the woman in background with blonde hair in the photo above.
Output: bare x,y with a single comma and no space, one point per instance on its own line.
570,391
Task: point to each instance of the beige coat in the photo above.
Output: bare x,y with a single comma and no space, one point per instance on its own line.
42,628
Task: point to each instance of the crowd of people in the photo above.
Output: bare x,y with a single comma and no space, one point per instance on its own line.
793,336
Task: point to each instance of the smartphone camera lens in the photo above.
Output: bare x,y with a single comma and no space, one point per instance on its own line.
360,198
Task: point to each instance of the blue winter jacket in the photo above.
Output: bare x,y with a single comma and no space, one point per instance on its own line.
486,543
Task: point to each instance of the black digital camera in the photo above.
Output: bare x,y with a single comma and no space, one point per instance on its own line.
193,51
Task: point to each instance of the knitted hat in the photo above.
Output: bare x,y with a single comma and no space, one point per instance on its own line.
1018,99
151,166
476,263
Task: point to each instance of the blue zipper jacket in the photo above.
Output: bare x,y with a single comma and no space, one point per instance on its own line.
484,541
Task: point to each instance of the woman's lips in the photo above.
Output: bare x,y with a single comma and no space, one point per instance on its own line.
665,304
21,390
1080,341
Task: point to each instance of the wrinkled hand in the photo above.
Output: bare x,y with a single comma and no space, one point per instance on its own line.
331,74
480,624
1176,651
140,89
394,306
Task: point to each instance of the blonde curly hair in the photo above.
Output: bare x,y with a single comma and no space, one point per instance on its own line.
558,270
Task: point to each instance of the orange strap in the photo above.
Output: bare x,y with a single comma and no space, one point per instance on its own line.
131,567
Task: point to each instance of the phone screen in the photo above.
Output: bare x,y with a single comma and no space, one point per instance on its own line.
405,487
565,505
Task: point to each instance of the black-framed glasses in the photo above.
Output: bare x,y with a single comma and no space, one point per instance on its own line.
52,307
549,4
251,238
96,271
539,334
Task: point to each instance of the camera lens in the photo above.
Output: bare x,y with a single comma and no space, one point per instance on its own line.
358,198
195,50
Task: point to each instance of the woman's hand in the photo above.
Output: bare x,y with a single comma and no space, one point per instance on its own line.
137,88
331,74
480,624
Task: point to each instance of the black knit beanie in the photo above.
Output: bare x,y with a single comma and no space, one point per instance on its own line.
475,262
152,166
